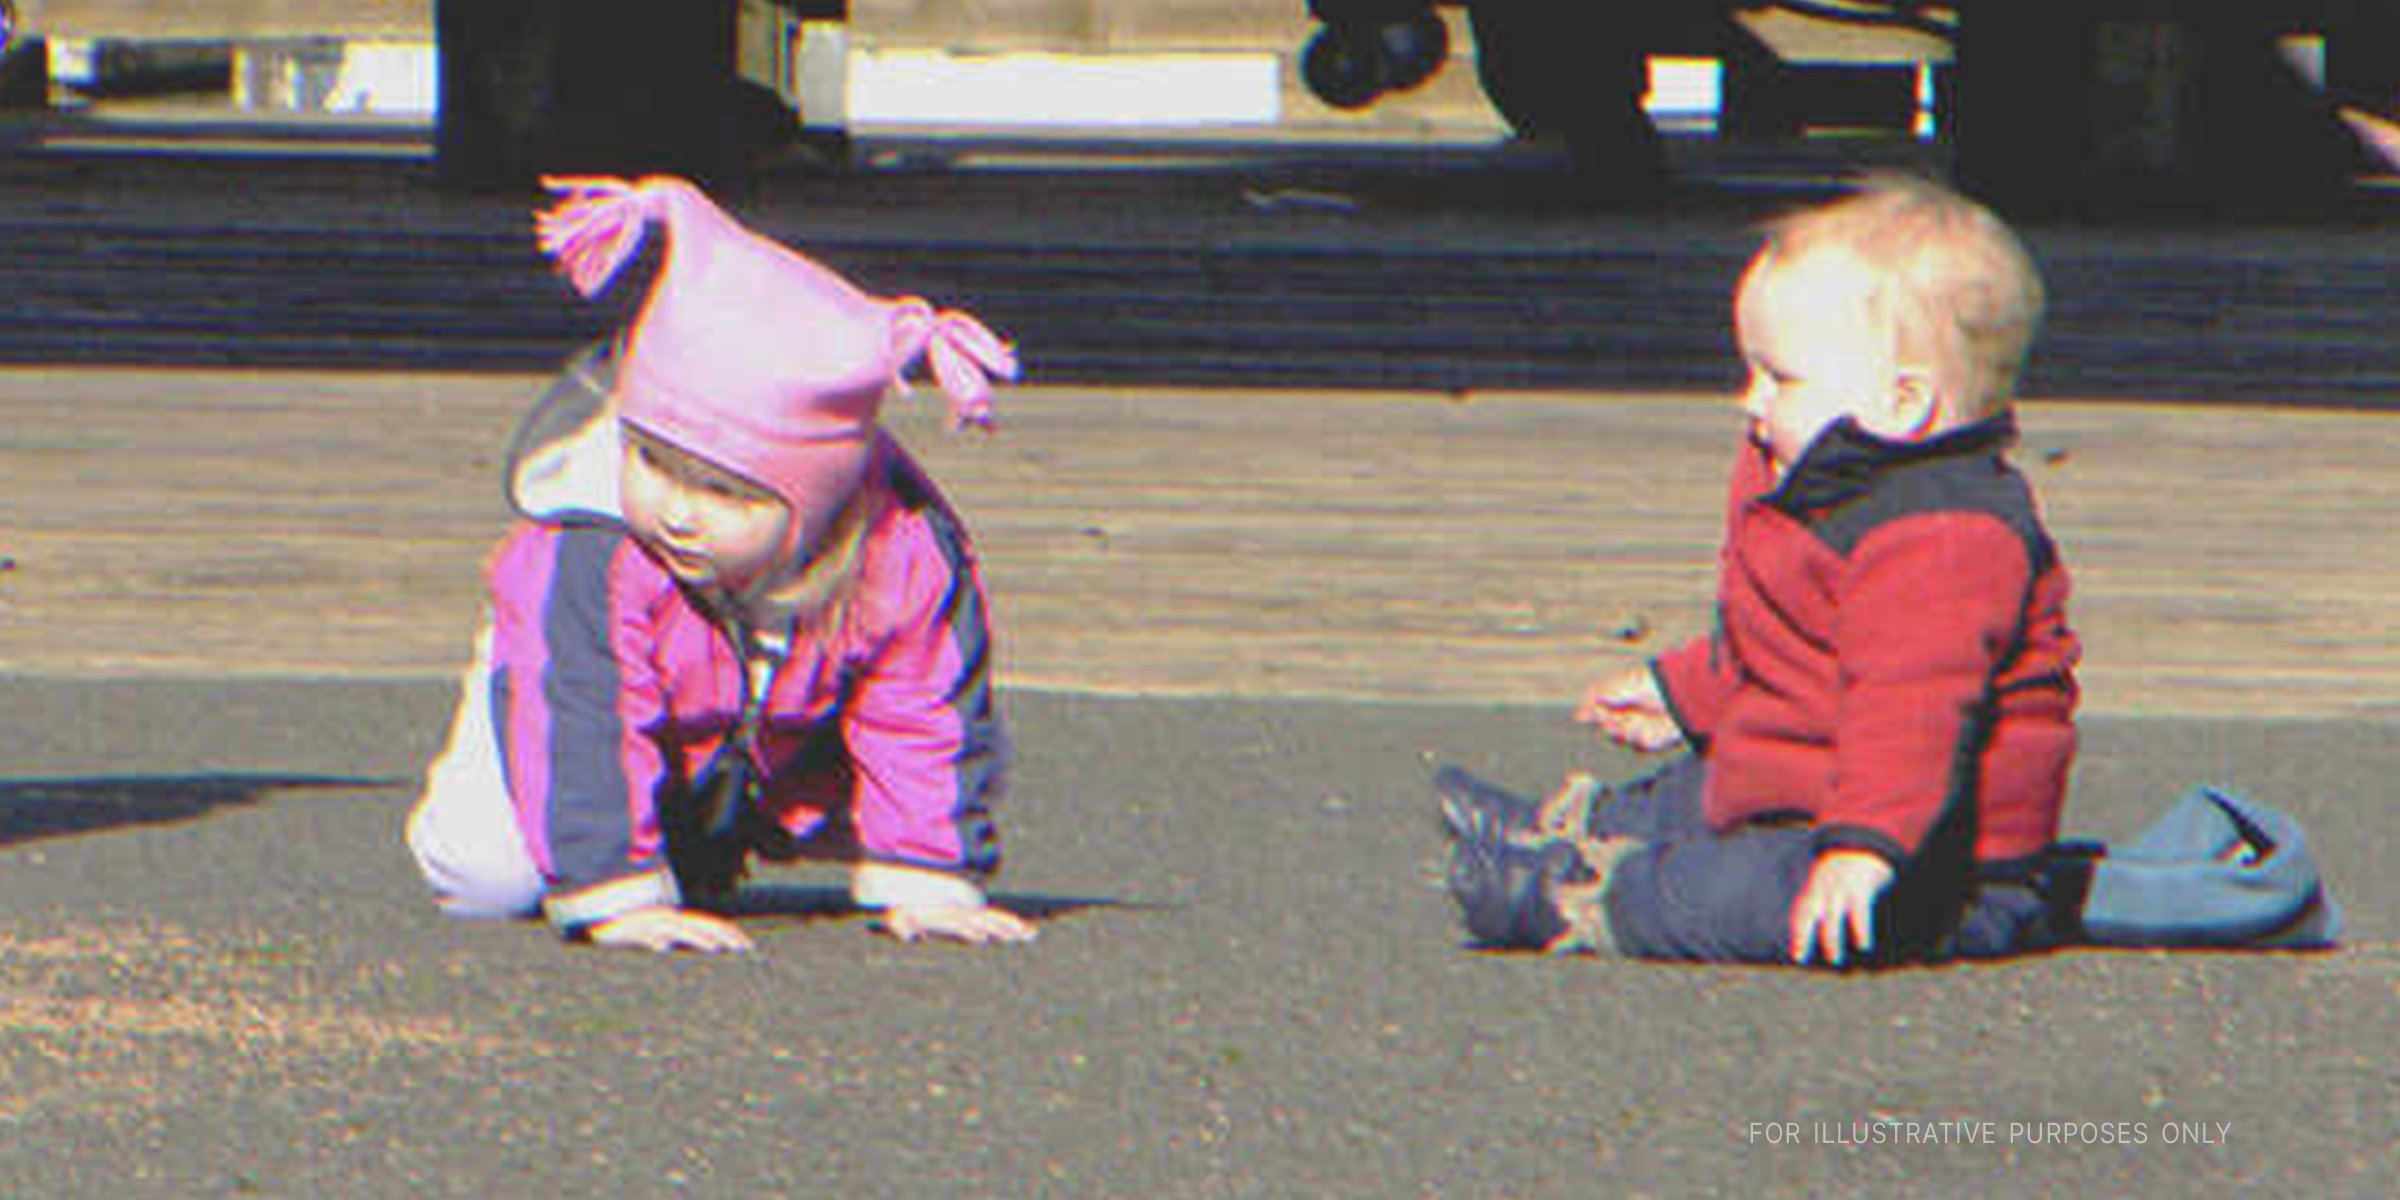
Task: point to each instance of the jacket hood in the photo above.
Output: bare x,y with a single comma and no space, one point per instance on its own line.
565,461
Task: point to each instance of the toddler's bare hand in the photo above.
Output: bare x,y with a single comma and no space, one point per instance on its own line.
1836,909
1646,732
975,925
1627,708
662,929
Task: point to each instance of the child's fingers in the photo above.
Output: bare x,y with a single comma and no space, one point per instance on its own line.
663,930
1831,948
1835,912
1817,925
714,935
1805,935
1633,721
903,924
979,926
683,930
1609,696
1646,732
974,926
1655,733
1001,925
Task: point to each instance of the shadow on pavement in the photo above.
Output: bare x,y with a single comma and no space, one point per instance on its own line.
35,809
819,902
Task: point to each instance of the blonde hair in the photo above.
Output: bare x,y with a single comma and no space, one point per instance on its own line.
823,595
1950,278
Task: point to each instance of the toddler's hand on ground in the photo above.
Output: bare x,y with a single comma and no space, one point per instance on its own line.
663,929
1627,708
974,924
1836,909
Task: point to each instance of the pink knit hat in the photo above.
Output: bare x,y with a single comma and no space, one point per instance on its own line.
751,355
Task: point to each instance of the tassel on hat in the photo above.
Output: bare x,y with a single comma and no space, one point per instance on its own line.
751,354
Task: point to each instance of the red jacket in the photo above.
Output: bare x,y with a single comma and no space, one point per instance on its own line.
1891,646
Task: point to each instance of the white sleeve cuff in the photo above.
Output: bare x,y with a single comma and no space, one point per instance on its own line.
574,912
886,885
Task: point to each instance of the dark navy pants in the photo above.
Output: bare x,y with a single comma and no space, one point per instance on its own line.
1696,894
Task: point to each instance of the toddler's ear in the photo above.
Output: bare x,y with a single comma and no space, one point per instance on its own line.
1914,407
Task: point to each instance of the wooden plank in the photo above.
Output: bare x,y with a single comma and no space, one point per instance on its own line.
1106,26
1080,26
1806,39
1503,547
230,20
1451,103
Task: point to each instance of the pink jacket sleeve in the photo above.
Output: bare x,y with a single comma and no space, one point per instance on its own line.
576,704
924,734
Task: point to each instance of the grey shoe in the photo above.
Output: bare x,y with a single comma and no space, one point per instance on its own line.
1507,893
1473,809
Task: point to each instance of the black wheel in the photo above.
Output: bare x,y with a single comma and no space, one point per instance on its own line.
1342,68
1413,49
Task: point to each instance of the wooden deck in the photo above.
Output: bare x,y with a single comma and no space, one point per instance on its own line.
1500,546
231,20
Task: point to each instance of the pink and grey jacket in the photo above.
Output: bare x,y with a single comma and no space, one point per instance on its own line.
609,686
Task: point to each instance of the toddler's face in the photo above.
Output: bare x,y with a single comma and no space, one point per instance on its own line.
1816,352
710,527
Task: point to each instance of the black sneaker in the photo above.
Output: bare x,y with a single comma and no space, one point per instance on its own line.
1473,810
1507,892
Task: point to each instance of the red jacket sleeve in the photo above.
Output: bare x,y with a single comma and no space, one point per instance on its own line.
1929,607
1699,676
1696,678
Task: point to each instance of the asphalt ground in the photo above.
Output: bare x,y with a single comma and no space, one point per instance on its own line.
220,978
